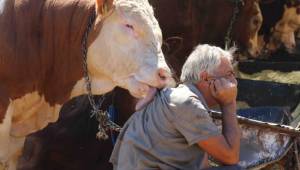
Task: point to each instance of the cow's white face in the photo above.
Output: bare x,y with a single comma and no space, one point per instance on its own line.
128,49
284,31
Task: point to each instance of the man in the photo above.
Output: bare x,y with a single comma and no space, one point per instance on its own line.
175,130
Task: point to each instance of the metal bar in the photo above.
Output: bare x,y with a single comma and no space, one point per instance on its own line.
295,132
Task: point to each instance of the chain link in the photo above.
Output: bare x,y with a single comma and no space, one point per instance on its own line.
102,117
228,40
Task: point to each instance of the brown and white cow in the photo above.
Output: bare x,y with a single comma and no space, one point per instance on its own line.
41,59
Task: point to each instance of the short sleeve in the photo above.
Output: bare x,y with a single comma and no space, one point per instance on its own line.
193,121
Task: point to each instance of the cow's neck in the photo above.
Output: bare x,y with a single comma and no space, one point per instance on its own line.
69,61
100,83
51,63
76,84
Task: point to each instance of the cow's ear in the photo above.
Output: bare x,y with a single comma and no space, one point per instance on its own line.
104,6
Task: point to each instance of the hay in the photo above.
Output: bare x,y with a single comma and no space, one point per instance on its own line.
242,105
273,76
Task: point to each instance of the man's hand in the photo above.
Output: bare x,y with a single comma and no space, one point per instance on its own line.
225,147
224,90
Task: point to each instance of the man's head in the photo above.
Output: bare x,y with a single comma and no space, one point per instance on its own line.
205,65
205,59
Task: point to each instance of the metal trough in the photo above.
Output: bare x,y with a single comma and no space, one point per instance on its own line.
262,143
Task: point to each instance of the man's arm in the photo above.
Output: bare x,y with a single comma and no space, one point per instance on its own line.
225,148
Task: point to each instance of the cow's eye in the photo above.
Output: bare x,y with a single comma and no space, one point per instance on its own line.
255,21
129,26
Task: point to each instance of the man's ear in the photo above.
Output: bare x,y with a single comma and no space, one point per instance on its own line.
204,76
104,6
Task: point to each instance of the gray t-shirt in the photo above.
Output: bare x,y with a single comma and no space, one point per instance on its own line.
164,135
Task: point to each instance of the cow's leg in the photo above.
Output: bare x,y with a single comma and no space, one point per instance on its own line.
5,127
31,113
10,147
16,147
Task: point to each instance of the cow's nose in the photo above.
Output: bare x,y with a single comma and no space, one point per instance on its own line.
257,53
290,47
163,76
293,46
254,52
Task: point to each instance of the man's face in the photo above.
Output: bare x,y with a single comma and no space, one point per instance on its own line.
223,71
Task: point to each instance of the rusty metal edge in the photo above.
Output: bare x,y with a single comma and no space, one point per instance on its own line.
293,132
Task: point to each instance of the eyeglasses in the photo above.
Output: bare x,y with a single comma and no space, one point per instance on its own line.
226,76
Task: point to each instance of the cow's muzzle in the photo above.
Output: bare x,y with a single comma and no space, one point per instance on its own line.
164,78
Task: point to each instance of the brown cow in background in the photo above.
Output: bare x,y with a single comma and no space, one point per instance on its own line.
284,31
71,144
187,23
281,20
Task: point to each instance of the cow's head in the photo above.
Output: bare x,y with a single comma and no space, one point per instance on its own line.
247,26
127,51
283,34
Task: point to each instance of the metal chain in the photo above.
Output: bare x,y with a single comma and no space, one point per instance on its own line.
102,117
228,40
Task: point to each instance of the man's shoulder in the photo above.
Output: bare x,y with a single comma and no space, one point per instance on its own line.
180,95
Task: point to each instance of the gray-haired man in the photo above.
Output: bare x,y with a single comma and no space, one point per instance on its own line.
175,130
